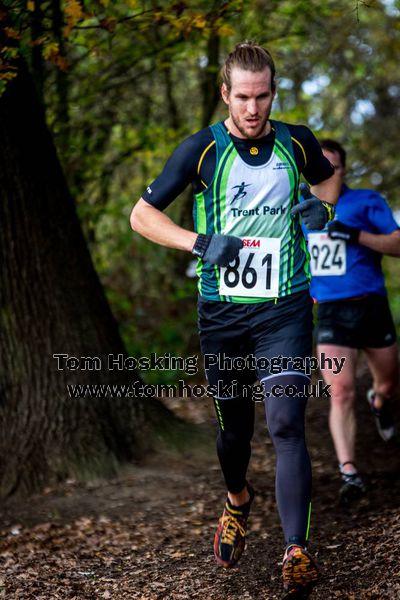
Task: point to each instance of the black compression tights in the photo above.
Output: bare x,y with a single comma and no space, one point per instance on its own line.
285,419
236,427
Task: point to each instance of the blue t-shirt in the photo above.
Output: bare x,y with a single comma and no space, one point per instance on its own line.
365,210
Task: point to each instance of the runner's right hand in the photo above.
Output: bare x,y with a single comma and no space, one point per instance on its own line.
217,249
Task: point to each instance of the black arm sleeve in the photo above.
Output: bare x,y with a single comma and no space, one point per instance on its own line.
316,167
180,170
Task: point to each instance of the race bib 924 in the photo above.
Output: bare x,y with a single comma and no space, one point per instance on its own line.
327,257
255,272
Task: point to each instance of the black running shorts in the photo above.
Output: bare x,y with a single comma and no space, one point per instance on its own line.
359,323
264,330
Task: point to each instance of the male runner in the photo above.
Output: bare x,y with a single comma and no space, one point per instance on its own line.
353,311
253,285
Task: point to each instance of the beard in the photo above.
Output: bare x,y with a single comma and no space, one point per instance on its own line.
255,132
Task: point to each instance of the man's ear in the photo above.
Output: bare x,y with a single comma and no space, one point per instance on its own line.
225,93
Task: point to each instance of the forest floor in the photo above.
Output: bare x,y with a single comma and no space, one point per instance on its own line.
147,534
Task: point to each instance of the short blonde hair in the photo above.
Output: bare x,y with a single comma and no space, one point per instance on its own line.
249,57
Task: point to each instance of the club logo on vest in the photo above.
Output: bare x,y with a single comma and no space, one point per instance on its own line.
241,192
281,165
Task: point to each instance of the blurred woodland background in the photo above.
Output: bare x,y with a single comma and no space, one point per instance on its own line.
120,85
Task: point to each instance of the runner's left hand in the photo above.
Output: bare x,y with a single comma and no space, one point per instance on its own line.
313,211
339,231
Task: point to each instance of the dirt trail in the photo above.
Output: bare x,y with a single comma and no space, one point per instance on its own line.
148,533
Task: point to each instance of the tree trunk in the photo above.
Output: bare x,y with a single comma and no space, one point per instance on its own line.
210,98
51,301
62,107
37,63
209,84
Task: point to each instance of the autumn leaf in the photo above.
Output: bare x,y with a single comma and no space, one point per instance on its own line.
30,5
11,33
74,12
73,9
50,50
7,75
199,22
62,63
39,41
225,30
9,52
109,23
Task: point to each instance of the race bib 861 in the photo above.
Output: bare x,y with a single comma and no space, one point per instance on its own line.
255,272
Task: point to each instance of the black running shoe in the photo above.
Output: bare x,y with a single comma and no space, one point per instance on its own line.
383,418
300,573
230,538
352,489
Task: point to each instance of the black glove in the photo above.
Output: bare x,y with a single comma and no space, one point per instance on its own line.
340,231
217,249
313,211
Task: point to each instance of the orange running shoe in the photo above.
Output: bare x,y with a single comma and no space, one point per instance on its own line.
300,573
230,538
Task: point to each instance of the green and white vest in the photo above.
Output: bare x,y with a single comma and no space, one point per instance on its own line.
253,202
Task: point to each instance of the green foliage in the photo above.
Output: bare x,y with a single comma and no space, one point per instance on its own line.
123,84
391,269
